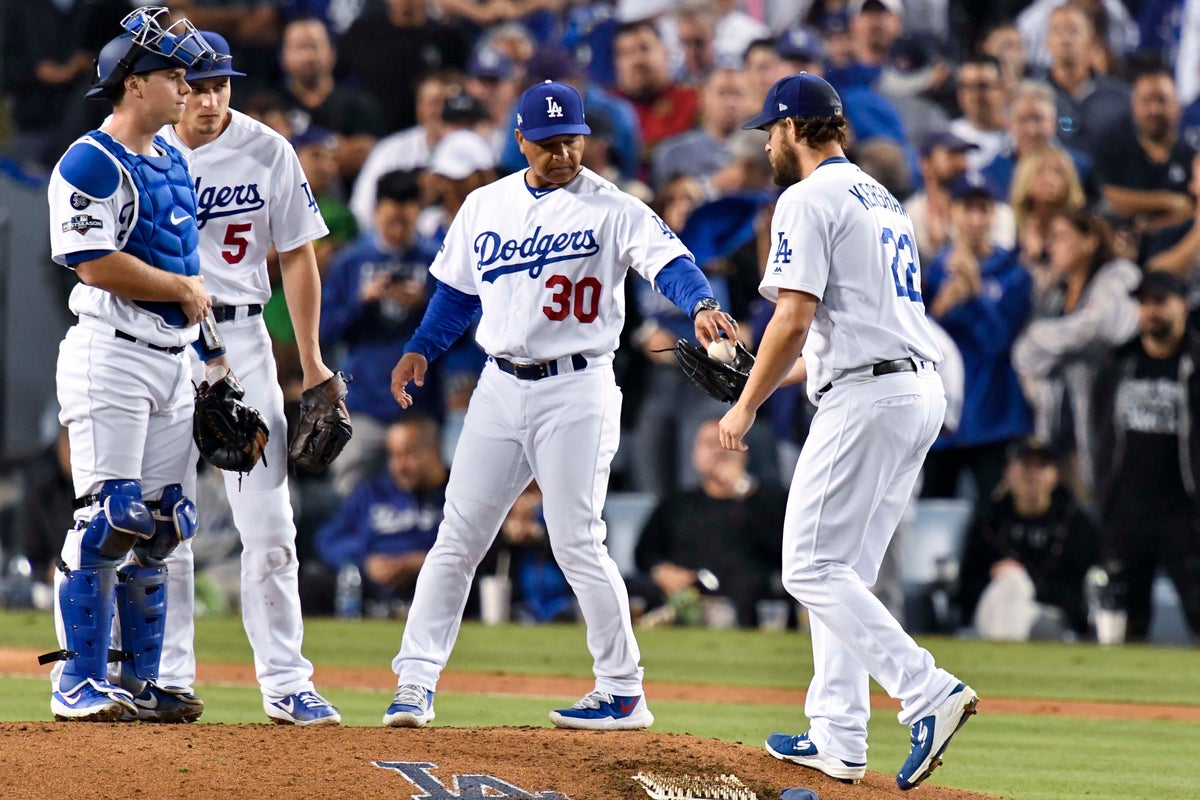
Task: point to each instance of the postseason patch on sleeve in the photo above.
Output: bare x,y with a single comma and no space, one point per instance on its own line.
81,224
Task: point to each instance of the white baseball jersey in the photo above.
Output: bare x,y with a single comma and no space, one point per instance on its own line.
839,235
251,189
407,149
81,223
549,265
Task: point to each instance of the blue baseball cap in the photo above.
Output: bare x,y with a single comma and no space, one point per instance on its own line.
798,793
487,62
550,109
969,185
219,67
803,95
798,44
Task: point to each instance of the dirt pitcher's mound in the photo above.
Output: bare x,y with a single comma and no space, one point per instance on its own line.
265,762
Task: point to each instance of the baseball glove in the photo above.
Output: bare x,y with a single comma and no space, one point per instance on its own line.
723,382
230,434
324,426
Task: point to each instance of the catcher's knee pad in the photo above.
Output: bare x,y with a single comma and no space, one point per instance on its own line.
175,521
142,610
86,601
123,519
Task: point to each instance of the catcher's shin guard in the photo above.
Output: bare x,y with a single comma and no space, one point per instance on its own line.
142,589
142,602
87,600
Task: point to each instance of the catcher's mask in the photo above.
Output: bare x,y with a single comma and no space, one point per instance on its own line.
150,42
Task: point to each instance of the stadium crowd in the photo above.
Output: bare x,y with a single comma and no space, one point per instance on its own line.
1048,153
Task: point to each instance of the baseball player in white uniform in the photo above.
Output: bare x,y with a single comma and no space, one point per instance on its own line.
544,253
252,194
123,216
849,318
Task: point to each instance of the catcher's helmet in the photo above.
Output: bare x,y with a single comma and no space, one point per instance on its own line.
145,46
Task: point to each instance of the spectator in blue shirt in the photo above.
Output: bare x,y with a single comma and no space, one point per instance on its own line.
981,295
387,525
372,300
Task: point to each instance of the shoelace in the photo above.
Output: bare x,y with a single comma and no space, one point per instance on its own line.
593,700
411,695
310,700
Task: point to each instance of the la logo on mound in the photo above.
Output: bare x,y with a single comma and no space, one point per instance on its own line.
465,787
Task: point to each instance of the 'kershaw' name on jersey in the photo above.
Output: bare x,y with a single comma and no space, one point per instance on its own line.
225,201
537,250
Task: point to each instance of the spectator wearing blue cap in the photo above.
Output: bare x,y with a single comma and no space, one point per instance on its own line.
943,161
314,97
492,79
980,294
371,302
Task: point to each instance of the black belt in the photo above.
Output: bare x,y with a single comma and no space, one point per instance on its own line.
535,372
226,313
884,368
130,338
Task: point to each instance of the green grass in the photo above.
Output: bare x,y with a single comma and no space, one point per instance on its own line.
1025,757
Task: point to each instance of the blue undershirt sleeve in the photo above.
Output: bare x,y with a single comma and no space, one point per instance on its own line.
682,282
450,312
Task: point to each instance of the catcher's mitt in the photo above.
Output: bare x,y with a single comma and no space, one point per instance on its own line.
324,426
230,434
723,382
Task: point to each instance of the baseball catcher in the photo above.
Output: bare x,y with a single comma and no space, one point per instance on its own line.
324,426
723,382
230,434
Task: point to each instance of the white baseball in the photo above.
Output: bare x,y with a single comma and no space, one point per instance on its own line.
722,350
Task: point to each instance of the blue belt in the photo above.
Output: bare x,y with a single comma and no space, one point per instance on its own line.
535,372
227,313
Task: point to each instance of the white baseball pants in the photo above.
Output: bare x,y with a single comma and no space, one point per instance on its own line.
562,431
856,472
262,511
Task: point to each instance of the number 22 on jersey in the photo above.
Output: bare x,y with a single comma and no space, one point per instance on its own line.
903,264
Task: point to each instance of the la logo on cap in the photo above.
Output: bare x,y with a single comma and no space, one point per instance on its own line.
553,109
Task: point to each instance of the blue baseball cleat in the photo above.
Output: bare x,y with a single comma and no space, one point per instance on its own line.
164,704
302,708
91,701
800,750
931,735
601,711
412,707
